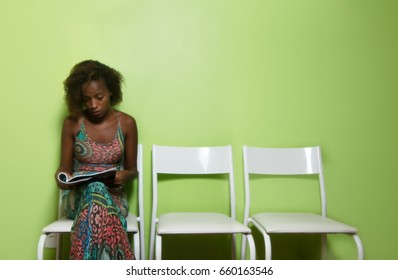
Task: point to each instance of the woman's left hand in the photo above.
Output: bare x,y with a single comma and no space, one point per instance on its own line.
122,177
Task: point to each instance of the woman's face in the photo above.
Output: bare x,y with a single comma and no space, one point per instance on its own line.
96,98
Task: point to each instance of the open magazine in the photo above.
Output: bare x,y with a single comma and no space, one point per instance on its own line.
105,176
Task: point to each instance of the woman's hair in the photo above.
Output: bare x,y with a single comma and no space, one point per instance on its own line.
86,71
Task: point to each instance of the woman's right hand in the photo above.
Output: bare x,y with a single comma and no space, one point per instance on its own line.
62,185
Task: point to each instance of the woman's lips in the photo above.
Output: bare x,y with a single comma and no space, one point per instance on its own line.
96,113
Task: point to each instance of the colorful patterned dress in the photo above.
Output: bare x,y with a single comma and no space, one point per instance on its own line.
99,228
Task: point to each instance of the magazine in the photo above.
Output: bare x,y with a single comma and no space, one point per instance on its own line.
105,176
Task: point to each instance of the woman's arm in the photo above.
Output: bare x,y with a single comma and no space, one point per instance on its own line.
129,128
67,142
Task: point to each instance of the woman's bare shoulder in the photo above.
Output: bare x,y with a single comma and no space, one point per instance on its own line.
72,123
126,119
128,124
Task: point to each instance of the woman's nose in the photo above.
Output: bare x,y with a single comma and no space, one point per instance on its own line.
92,104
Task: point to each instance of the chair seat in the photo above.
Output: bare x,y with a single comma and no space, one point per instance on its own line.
64,225
199,223
132,223
300,223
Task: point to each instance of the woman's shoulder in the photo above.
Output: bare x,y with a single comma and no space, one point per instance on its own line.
72,123
126,119
127,123
72,119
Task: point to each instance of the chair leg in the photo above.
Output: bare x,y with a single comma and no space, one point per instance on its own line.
158,247
243,249
358,242
40,246
142,241
252,246
137,249
58,246
152,242
267,241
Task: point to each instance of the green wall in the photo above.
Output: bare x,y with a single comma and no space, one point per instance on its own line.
211,72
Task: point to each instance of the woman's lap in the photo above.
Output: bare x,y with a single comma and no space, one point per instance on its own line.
99,228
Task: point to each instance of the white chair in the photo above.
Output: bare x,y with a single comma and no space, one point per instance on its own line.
290,161
194,161
51,234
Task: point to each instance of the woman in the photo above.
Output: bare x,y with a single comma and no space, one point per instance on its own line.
96,137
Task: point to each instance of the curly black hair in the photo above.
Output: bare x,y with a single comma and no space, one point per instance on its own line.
91,70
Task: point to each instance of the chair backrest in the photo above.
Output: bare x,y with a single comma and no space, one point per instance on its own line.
140,216
140,179
283,161
194,161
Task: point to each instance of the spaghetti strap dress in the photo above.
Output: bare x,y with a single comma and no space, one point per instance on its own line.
99,211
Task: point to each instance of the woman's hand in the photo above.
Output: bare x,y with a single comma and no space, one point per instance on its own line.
61,185
122,177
